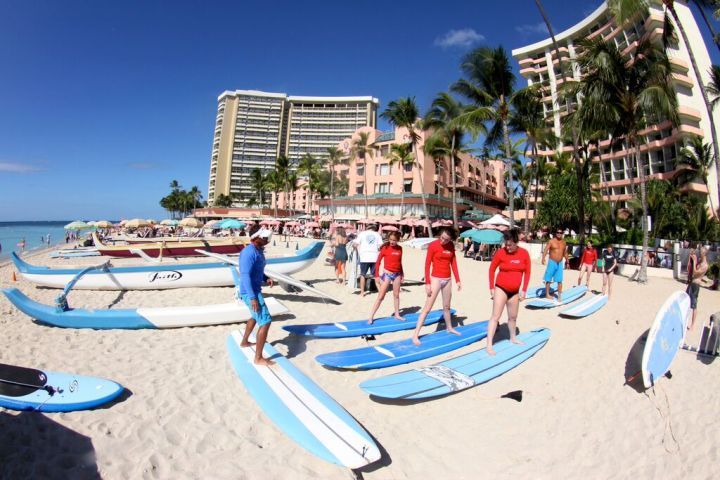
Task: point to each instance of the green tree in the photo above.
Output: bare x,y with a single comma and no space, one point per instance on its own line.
361,149
223,200
558,208
404,113
401,155
308,167
257,183
697,158
335,158
274,183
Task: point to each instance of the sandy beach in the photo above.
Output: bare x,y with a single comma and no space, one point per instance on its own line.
187,414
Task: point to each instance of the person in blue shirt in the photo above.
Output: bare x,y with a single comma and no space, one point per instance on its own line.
252,277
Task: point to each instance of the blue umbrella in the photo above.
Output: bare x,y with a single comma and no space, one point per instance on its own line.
231,223
488,237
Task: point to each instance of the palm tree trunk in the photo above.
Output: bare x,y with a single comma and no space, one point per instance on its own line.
454,183
670,6
708,24
413,148
508,165
365,186
642,275
332,193
537,180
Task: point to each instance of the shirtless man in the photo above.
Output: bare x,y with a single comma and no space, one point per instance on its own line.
694,281
557,249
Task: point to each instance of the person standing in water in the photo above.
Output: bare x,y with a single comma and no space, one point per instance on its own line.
440,261
508,289
557,249
392,274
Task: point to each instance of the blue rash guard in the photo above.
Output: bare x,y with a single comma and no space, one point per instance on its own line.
252,268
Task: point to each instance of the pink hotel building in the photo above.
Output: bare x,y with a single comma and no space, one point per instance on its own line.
663,141
480,183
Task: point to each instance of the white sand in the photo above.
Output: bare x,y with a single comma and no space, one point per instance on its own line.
189,415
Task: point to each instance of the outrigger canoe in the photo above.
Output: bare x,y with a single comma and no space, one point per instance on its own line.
171,249
136,318
157,276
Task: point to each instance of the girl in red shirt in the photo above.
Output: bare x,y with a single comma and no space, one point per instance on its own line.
587,263
508,289
441,256
391,252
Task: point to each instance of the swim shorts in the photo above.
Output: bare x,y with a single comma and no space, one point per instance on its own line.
367,269
554,271
693,290
263,316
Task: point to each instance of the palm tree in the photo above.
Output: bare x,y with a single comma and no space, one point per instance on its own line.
335,157
489,85
401,155
307,167
713,87
624,95
524,177
292,185
404,113
282,170
361,149
701,6
196,196
274,183
698,157
257,183
443,118
626,9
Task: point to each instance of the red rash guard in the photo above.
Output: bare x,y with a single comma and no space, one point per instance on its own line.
442,258
512,267
393,259
589,256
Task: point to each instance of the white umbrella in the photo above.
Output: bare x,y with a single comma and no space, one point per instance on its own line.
191,222
137,223
497,219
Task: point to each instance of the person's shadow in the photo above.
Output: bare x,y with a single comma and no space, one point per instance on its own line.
633,364
34,446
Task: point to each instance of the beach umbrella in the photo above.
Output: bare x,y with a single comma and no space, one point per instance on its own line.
151,221
137,223
292,224
489,237
103,224
389,228
366,221
231,223
169,222
438,223
497,219
191,222
77,225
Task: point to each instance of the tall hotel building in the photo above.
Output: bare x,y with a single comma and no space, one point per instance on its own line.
253,128
662,142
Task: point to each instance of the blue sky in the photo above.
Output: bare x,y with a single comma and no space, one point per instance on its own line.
103,103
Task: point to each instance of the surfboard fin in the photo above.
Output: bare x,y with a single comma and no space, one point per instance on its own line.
514,395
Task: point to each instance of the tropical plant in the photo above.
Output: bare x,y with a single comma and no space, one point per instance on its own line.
697,157
257,184
713,88
401,155
524,177
361,149
308,167
223,200
274,183
623,95
404,113
335,157
489,85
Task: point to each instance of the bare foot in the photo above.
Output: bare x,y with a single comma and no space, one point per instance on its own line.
264,361
362,294
247,344
490,351
400,317
453,331
370,322
416,341
550,297
517,342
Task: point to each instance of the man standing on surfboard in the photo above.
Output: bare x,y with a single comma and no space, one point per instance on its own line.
557,249
252,276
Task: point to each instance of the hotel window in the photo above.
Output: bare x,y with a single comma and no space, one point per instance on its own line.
383,169
382,187
361,169
360,188
408,167
407,186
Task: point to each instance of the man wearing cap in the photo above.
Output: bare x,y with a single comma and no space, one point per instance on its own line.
252,277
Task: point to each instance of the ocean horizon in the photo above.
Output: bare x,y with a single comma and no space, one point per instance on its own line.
34,232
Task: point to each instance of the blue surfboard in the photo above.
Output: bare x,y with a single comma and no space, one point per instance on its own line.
30,389
586,307
665,337
404,351
567,297
535,292
357,328
300,408
458,373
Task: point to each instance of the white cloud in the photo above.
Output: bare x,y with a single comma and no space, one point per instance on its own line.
535,29
15,167
459,38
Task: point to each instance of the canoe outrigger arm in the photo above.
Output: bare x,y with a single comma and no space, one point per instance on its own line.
61,301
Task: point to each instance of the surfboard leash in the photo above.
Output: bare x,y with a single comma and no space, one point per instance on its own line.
666,418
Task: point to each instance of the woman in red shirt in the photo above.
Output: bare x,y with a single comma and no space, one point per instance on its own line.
508,289
441,256
587,263
391,252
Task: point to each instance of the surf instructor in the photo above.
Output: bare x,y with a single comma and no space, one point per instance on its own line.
252,276
557,249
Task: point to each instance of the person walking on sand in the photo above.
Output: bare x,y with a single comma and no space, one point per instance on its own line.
693,288
610,264
587,263
340,256
440,261
367,244
392,274
508,289
252,267
557,249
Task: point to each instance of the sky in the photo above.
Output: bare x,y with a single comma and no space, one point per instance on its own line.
103,104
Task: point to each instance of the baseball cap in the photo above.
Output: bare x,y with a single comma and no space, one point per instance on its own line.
262,233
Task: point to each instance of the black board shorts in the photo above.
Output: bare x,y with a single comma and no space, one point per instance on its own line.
693,290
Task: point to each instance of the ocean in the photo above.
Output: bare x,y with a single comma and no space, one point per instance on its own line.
34,233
